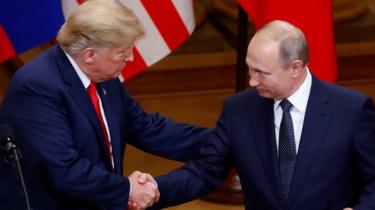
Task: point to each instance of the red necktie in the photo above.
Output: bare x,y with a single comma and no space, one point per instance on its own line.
95,101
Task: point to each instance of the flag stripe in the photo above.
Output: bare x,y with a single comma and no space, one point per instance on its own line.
186,12
7,50
168,21
69,5
152,46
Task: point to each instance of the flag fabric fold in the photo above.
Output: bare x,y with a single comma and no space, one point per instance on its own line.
7,51
313,17
27,24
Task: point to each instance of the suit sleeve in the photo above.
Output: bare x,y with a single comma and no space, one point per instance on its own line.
159,135
201,175
364,143
38,115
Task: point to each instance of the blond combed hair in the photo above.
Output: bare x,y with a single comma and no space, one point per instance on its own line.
99,23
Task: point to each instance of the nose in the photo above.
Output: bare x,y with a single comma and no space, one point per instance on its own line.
129,58
253,81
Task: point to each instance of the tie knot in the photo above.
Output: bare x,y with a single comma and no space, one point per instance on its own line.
286,105
91,88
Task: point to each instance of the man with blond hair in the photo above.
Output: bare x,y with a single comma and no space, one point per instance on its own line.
297,143
73,118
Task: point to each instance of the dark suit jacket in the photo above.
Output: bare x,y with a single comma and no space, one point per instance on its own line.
335,166
65,162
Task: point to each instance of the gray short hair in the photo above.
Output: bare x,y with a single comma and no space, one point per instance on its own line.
99,23
292,42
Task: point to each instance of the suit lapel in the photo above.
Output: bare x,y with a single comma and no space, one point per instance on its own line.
79,94
263,118
113,123
315,124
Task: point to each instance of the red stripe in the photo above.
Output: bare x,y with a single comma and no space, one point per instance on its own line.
7,50
80,1
134,67
167,20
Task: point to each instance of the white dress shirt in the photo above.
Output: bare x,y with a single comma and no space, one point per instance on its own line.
299,100
86,82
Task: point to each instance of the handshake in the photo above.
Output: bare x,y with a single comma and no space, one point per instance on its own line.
144,191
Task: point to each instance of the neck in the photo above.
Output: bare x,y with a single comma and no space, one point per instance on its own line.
298,82
84,67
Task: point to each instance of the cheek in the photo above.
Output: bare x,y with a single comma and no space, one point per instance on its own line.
115,62
268,83
119,61
272,86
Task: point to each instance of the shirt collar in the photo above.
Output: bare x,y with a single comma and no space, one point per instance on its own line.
300,97
82,76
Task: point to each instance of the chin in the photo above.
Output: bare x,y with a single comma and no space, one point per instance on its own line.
264,94
116,75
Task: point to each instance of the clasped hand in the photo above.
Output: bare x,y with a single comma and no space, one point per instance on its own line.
144,192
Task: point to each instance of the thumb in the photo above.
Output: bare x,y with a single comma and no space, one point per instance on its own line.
142,178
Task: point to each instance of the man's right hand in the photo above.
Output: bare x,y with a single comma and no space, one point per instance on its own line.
144,191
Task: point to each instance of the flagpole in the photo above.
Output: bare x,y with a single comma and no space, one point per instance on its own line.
242,42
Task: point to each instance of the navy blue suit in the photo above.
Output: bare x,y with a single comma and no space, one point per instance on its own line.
335,166
65,161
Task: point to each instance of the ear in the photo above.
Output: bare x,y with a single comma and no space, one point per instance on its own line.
297,67
89,55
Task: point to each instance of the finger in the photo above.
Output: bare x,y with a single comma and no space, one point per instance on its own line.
151,194
157,197
150,178
130,205
135,173
133,205
156,194
144,205
134,176
149,204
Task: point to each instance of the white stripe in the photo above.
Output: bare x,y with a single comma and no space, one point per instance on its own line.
68,7
152,46
186,12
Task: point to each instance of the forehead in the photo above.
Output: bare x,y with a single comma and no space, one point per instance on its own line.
261,51
122,47
115,49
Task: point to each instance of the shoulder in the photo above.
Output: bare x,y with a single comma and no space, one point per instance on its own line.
42,70
242,96
244,100
40,78
338,94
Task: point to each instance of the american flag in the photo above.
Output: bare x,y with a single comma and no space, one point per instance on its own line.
168,23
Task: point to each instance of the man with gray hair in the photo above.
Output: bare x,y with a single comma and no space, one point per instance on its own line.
73,118
295,141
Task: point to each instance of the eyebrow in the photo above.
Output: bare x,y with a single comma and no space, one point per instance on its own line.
260,71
